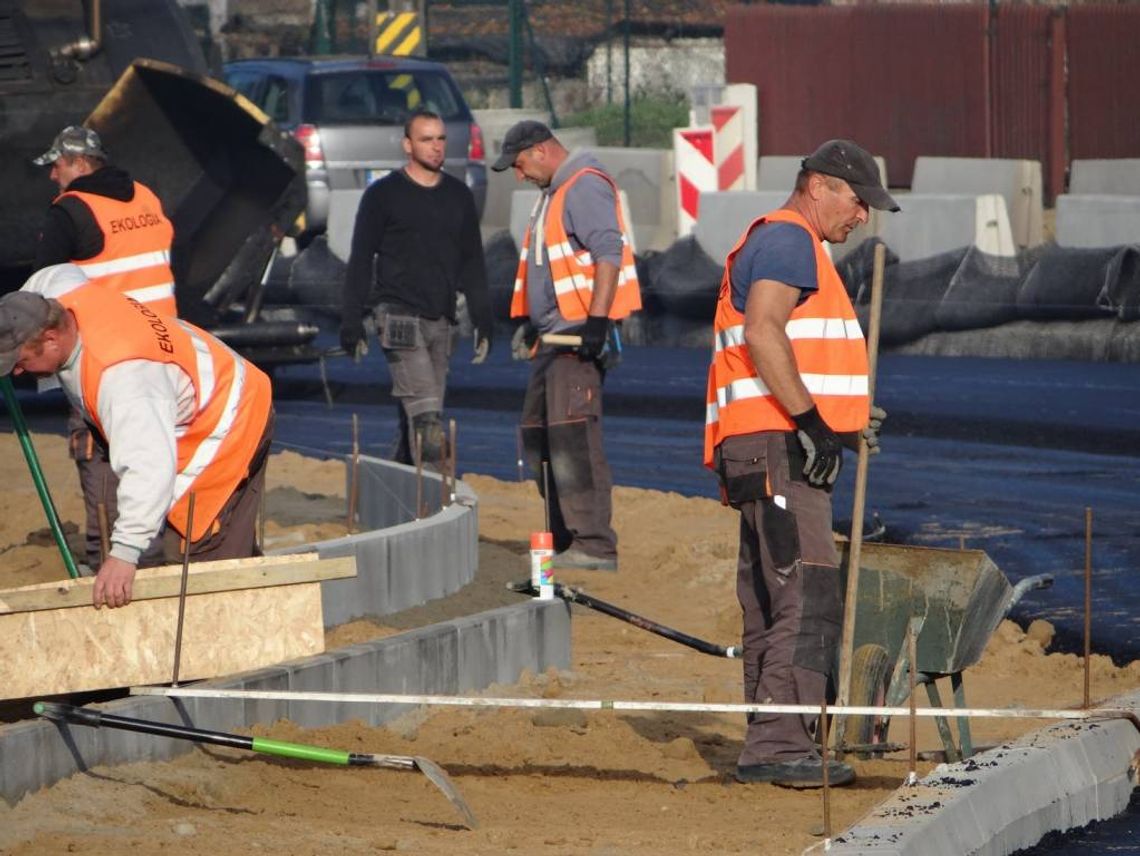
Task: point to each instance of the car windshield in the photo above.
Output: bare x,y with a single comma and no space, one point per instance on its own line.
378,97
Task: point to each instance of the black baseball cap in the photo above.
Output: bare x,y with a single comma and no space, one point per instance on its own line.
854,164
520,137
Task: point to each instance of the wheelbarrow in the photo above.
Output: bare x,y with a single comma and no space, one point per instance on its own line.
954,599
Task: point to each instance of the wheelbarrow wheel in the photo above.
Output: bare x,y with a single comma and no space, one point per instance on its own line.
870,669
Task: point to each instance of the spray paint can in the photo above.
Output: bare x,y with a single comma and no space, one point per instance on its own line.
542,564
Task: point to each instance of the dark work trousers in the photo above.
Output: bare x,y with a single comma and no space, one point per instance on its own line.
562,423
100,486
789,589
418,351
233,534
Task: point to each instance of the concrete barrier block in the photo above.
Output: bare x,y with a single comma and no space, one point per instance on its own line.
1017,181
930,224
1107,177
342,218
1098,220
724,215
646,177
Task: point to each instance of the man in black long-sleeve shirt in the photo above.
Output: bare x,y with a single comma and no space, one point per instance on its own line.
415,244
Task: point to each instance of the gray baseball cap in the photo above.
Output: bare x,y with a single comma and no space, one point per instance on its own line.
854,164
521,137
22,318
73,140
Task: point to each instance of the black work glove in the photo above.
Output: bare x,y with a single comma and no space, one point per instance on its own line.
823,454
523,341
594,336
351,334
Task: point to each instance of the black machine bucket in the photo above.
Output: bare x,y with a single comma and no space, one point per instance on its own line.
226,175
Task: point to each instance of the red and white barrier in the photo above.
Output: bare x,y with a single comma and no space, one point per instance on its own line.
696,172
728,145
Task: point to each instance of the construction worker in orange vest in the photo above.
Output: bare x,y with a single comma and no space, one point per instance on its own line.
787,388
183,416
576,276
115,230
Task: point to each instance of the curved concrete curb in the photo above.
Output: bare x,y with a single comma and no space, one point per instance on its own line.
1060,777
400,561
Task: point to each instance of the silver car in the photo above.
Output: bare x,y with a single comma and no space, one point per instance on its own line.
349,115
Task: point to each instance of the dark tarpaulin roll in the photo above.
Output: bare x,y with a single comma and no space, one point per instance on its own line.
912,292
1121,292
1066,282
681,281
501,258
982,292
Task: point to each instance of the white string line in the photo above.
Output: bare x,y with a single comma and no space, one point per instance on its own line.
608,704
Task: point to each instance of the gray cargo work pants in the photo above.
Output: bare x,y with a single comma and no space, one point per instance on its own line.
789,590
562,423
418,351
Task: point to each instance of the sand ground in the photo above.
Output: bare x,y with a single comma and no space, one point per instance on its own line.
557,782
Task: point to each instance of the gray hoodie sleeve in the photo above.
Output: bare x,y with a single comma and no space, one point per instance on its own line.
591,217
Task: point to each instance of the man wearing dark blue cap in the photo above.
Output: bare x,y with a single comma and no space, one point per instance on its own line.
787,389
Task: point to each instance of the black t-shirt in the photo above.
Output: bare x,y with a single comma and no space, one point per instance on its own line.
415,247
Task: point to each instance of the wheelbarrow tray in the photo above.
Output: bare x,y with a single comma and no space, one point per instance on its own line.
961,595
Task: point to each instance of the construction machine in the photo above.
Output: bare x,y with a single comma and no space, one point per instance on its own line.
231,182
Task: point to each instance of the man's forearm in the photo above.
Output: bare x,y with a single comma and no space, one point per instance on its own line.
605,288
771,353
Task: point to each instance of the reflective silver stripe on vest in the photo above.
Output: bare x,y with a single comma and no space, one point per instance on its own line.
152,293
797,329
126,264
753,387
208,449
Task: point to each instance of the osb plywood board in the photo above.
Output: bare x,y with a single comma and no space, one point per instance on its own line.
224,575
78,648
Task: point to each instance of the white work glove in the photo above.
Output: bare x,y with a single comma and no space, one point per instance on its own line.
871,432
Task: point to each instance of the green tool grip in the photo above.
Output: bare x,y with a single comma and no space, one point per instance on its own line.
33,460
296,750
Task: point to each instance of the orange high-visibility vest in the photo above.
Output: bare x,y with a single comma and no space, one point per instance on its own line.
232,396
573,271
827,342
135,260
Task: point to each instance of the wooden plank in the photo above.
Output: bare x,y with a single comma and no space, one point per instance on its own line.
74,650
204,577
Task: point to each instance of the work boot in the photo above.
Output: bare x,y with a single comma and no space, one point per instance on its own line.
577,560
800,773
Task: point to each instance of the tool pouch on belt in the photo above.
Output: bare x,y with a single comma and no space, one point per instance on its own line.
741,464
397,332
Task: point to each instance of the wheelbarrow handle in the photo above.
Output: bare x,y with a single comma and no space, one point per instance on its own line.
1033,583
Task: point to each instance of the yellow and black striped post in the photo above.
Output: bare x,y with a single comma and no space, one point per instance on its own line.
400,30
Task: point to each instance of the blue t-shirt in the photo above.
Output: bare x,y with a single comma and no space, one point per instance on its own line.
784,252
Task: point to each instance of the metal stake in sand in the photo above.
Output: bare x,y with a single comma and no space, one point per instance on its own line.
97,719
851,600
454,451
826,783
182,588
354,487
25,438
419,447
519,451
1088,605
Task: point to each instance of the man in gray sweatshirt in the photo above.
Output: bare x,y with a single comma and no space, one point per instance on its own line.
576,277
